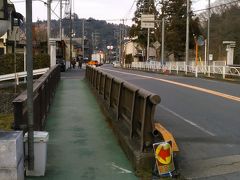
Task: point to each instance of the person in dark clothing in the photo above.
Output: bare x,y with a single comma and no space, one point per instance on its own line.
80,63
73,63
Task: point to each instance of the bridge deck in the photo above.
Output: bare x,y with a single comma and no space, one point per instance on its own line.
81,144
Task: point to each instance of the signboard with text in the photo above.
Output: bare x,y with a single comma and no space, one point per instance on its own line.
147,21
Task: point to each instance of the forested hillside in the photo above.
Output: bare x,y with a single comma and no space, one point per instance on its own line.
225,26
99,31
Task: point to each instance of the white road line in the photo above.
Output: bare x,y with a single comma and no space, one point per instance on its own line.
122,170
187,121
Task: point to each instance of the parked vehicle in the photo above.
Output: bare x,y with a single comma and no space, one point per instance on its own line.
116,64
94,63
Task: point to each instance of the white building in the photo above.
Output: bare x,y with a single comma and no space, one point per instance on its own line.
136,53
10,22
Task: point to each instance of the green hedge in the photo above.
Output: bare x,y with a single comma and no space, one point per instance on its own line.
7,62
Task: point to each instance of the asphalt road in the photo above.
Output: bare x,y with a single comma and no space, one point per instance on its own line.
204,117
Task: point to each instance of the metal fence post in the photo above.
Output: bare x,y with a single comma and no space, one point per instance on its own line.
185,68
209,71
196,71
224,72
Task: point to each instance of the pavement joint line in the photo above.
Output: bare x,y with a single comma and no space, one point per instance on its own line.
188,121
216,93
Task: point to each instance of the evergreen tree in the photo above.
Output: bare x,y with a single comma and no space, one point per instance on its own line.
175,12
143,7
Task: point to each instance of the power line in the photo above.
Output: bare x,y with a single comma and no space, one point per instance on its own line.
129,11
213,7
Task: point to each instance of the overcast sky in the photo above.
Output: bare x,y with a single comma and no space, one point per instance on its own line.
112,10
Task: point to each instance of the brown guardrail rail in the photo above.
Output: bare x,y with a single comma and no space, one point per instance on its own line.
131,110
43,92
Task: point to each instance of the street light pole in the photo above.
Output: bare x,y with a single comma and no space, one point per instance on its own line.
29,83
83,34
187,32
70,33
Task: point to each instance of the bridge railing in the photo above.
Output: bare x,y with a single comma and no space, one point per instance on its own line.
131,110
43,92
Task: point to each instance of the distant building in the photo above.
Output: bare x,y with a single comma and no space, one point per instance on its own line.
133,52
11,29
77,49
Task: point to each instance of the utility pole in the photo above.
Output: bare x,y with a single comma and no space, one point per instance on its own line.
15,61
122,34
163,34
120,44
187,32
83,34
29,83
60,26
163,40
49,23
70,32
208,33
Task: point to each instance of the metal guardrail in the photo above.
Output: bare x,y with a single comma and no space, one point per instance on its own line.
43,92
177,67
18,75
131,110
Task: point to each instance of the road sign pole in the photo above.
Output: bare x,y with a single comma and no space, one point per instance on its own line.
148,39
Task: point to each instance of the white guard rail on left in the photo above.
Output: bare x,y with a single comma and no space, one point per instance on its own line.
18,75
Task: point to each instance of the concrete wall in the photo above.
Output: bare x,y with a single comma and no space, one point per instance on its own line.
11,156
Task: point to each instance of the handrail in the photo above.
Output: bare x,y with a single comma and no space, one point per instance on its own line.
11,76
131,110
43,91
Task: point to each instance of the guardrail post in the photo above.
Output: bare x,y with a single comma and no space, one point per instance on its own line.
185,68
224,72
177,67
209,71
196,71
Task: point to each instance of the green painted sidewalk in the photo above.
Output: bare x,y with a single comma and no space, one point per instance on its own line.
81,144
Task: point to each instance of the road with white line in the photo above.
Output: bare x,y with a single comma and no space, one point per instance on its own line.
204,117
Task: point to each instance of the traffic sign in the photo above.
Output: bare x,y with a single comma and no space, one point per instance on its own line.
156,45
164,157
147,17
147,21
200,40
147,24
